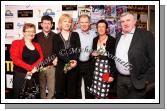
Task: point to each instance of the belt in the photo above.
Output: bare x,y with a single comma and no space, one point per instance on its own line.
44,68
83,61
124,75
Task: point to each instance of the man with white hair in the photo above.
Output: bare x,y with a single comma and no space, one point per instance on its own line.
136,48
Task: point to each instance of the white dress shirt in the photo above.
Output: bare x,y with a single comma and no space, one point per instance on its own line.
122,52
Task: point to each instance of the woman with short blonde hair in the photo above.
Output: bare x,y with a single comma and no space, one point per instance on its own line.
64,42
63,17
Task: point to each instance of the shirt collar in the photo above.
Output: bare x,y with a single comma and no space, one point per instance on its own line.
46,35
131,32
87,32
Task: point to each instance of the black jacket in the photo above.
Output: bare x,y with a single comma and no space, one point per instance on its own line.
110,48
65,55
141,55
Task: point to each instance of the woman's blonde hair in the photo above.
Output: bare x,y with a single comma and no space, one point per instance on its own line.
62,17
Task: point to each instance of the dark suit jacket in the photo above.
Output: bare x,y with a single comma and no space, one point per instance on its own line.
141,56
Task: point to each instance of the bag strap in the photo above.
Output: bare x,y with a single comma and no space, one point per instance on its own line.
36,87
24,84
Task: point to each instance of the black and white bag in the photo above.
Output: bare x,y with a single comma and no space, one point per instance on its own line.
29,90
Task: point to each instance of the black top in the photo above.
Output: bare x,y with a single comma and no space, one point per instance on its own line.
67,50
110,48
29,57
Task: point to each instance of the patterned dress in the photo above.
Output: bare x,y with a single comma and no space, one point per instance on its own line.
99,87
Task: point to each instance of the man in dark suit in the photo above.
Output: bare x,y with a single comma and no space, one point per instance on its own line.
135,53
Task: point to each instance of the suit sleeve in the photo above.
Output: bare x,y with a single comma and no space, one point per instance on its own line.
112,62
15,55
93,48
76,47
150,43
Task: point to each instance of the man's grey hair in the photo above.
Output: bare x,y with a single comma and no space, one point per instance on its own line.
127,13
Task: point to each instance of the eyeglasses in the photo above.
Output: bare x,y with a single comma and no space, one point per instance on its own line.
30,31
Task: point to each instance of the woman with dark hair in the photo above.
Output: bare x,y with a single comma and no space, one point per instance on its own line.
26,55
104,66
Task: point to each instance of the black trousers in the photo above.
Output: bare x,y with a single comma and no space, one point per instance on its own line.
18,81
84,72
126,90
66,83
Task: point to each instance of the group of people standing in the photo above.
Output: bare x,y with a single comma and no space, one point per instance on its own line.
97,58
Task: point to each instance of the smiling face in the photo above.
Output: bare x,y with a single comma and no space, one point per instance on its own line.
101,28
66,24
84,23
29,33
46,26
128,23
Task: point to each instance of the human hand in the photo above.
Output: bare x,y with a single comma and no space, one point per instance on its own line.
110,79
55,61
73,63
94,53
34,70
29,73
107,78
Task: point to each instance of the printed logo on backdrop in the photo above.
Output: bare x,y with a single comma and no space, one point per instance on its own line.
20,25
28,6
40,28
9,25
11,35
7,36
8,13
49,12
25,13
39,13
69,7
86,11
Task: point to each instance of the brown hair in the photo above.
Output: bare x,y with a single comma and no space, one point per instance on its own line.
28,25
47,17
102,21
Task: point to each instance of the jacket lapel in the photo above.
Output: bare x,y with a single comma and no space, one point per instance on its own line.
134,39
118,36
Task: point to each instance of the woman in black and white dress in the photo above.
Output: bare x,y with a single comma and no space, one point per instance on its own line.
104,66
